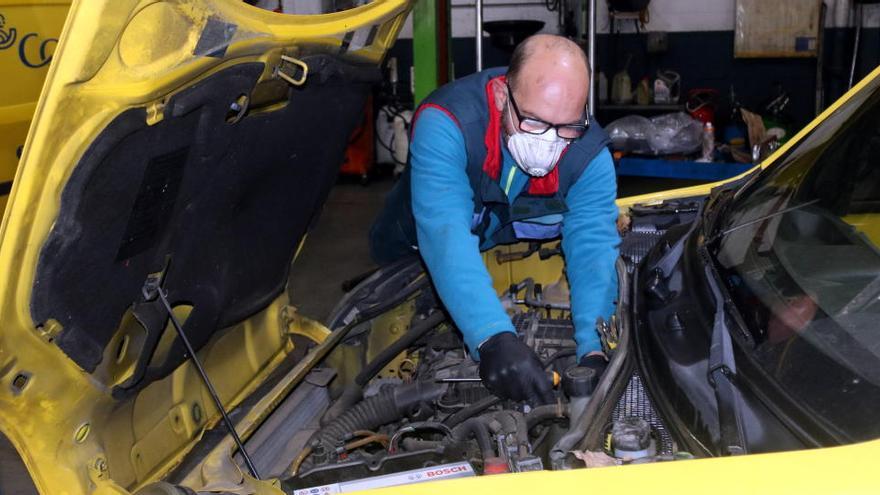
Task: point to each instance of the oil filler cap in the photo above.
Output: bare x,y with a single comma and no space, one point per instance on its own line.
579,381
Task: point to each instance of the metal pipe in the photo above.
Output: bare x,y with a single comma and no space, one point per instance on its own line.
413,427
478,36
820,57
591,55
531,298
852,69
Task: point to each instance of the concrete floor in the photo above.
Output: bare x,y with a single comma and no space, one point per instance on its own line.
335,251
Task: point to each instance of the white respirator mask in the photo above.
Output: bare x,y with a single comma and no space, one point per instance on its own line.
536,154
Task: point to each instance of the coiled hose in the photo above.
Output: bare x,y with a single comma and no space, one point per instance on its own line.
368,414
385,407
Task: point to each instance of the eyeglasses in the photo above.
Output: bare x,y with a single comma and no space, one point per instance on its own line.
532,125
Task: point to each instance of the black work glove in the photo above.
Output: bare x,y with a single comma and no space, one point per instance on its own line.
511,370
596,362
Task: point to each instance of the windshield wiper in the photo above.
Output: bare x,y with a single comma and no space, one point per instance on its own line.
721,373
723,233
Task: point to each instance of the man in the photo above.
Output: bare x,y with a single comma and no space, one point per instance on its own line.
496,159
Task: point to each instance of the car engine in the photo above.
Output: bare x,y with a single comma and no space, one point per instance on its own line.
412,407
438,413
398,399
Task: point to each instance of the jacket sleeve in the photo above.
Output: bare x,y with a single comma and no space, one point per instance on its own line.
443,206
590,242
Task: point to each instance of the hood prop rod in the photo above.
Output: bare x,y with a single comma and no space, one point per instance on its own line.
153,289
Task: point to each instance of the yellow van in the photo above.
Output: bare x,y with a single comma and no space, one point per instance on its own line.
28,37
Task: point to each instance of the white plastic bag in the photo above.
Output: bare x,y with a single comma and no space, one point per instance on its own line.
676,133
631,134
662,135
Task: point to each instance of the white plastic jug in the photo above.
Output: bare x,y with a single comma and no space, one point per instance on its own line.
621,88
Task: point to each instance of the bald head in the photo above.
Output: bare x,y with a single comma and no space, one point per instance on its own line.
546,51
549,77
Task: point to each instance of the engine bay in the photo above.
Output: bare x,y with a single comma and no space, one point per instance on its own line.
399,400
433,413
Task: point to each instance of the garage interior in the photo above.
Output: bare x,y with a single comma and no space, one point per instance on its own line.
693,42
690,91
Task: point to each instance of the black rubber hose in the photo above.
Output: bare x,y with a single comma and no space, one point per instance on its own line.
351,394
416,331
379,309
558,354
544,413
376,296
354,391
366,415
514,422
357,279
385,407
477,428
471,410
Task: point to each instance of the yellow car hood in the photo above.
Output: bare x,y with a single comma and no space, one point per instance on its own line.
192,138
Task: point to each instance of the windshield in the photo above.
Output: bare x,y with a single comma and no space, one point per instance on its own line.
807,280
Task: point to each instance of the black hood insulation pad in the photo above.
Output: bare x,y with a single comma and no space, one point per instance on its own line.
223,205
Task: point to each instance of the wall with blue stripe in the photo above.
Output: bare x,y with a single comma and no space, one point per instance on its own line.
700,47
705,60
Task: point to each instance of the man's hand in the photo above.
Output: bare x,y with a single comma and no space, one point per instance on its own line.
511,370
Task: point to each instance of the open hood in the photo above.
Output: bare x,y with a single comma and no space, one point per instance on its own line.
199,144
196,139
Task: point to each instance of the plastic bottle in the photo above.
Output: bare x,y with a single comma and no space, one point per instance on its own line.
621,88
603,87
400,146
661,91
708,142
643,92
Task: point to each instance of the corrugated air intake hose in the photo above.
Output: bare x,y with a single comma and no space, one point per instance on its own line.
386,407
